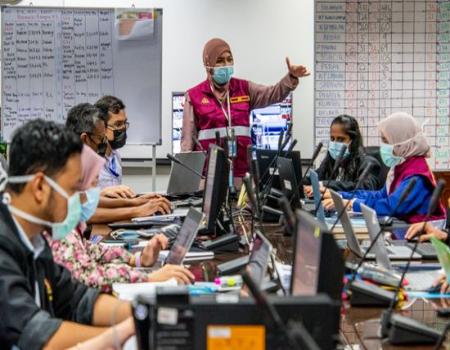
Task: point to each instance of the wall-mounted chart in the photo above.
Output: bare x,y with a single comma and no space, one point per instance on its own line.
373,58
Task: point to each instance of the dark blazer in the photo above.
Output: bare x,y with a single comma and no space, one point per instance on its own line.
22,322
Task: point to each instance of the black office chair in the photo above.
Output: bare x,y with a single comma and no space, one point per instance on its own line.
374,151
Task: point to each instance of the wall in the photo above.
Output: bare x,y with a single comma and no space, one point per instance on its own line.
261,33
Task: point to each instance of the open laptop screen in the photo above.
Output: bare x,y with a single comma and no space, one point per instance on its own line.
259,258
185,237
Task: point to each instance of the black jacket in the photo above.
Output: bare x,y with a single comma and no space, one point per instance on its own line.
22,322
349,172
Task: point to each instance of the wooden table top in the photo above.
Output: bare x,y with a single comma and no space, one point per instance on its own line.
359,326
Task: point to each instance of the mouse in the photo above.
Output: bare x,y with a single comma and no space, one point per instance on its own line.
386,221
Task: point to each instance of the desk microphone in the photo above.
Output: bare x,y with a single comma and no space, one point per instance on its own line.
274,162
250,193
198,144
415,330
313,159
175,160
293,333
291,147
337,164
362,177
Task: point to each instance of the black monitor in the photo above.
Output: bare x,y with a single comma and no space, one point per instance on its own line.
317,266
288,181
266,159
216,186
176,321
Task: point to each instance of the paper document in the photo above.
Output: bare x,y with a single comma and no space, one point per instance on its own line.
129,291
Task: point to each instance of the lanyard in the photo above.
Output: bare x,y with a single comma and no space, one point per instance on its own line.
227,113
112,167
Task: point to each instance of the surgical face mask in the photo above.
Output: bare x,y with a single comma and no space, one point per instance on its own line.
334,149
387,155
222,75
89,207
59,229
120,138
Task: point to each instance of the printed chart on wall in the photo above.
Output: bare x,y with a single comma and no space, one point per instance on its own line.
373,58
55,58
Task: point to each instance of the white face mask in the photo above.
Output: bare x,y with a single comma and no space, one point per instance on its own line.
59,229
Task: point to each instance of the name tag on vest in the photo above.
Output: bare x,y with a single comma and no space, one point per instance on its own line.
238,99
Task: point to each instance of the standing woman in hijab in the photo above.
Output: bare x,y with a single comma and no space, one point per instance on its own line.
222,102
404,150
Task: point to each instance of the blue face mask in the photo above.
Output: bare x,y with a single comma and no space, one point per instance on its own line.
89,207
222,75
387,155
334,149
59,229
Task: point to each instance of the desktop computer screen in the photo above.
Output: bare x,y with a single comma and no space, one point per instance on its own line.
307,250
177,120
266,123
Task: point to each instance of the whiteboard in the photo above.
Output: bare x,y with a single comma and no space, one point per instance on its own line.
373,58
54,58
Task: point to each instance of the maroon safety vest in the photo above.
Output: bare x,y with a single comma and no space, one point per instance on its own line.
210,117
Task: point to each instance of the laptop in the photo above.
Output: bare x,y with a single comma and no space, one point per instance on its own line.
182,180
352,240
384,253
320,212
185,237
288,181
259,258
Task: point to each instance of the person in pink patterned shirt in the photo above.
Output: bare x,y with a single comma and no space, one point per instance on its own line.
99,266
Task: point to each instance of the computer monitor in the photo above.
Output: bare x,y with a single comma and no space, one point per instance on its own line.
185,237
203,322
318,266
259,258
216,186
177,120
266,159
268,122
308,243
288,181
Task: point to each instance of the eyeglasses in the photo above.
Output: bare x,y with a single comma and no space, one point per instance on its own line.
119,126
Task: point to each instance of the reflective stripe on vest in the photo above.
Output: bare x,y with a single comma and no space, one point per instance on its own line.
209,134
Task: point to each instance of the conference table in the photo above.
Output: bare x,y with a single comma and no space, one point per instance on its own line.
359,326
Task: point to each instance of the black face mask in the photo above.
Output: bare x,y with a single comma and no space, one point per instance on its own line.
101,148
120,138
